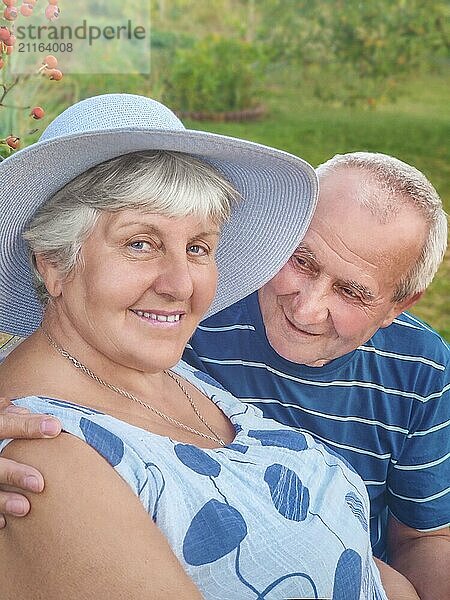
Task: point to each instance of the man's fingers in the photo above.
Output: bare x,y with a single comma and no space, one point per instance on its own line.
20,476
7,406
20,410
28,426
13,505
4,402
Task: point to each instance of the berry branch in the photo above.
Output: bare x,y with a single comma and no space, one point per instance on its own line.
12,14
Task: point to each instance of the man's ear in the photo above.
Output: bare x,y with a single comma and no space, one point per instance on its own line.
399,307
49,274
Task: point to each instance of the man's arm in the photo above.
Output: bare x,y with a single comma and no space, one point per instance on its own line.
396,586
87,535
423,557
17,423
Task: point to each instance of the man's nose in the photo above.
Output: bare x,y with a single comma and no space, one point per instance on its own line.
175,278
311,305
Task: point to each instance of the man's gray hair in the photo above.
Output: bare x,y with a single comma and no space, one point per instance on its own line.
160,182
399,181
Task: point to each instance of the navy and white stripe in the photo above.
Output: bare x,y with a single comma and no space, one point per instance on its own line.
385,407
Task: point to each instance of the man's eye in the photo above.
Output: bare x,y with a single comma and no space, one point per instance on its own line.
301,262
349,293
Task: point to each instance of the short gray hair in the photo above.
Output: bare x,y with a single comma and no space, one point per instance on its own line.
400,179
166,183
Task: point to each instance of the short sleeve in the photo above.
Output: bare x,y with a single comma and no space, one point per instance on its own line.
419,481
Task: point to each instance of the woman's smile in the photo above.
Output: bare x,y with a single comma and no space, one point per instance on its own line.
159,318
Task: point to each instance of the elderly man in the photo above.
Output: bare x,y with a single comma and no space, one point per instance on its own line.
326,346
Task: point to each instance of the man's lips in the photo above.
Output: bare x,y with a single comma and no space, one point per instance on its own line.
300,330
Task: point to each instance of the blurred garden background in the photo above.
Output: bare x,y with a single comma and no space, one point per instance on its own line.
314,78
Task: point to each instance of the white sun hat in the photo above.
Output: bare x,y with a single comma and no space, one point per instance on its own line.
279,194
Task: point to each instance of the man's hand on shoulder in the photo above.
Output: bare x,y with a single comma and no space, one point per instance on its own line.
15,423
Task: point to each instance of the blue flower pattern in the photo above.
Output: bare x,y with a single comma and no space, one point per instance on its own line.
245,522
289,496
357,507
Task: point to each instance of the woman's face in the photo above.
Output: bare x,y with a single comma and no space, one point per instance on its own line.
145,284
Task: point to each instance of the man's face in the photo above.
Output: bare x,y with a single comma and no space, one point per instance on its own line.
336,290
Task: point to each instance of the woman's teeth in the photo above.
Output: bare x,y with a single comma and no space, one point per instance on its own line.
163,318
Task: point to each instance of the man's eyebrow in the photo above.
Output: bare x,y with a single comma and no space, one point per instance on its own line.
361,288
306,251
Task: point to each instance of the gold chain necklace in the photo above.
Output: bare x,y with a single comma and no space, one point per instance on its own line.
78,365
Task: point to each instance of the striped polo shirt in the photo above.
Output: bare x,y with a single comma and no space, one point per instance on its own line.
385,407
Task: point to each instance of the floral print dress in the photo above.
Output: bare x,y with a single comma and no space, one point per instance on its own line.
273,515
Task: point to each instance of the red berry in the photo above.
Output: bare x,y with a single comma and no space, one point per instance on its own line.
10,13
13,142
55,74
50,61
26,10
10,41
54,2
9,2
37,112
52,12
4,33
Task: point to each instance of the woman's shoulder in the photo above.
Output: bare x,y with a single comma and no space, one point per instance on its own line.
28,368
107,438
69,413
61,461
83,496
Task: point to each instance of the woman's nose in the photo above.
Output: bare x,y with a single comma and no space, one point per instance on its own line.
175,279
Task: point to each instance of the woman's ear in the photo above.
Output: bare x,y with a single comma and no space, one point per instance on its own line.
50,275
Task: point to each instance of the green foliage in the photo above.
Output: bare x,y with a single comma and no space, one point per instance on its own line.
353,52
216,74
169,40
363,48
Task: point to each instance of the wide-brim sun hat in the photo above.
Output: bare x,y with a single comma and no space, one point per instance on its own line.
279,193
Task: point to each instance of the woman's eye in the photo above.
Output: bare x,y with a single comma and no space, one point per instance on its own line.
197,250
140,245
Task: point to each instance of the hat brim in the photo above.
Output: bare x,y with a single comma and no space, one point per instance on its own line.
279,191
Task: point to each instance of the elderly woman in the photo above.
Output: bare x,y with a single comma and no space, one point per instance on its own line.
164,485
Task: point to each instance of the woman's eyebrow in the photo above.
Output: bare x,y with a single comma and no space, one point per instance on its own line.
160,232
129,224
211,232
